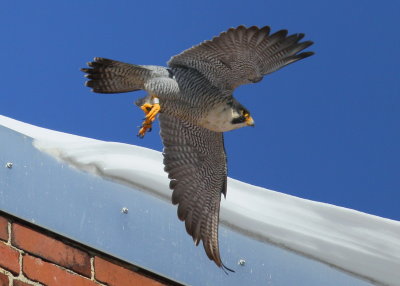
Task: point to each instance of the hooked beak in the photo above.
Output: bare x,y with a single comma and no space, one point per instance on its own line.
250,121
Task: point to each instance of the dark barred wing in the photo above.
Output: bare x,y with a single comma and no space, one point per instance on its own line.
243,55
195,160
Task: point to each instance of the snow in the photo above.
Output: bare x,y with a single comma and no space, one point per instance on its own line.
359,243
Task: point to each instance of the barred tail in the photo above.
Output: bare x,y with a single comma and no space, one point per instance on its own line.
109,76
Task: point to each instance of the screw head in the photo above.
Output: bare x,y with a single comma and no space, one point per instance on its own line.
124,210
9,165
242,262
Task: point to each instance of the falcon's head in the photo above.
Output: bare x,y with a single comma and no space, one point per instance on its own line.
227,116
240,116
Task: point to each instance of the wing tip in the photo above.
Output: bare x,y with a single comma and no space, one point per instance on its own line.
305,55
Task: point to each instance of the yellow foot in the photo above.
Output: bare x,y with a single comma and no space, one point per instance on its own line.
146,108
151,112
145,128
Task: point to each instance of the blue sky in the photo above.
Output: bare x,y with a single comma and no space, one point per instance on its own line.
327,128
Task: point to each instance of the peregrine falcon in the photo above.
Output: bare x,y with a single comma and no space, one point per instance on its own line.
193,98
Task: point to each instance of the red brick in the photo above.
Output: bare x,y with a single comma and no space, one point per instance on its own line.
3,228
51,275
51,249
9,258
20,283
3,280
115,275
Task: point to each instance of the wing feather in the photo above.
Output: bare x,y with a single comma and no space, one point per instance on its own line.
195,160
242,55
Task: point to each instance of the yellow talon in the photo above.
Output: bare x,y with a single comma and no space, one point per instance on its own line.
144,129
146,108
151,111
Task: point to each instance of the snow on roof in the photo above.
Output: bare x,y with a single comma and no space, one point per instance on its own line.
362,244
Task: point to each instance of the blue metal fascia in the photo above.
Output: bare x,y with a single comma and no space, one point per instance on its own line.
89,209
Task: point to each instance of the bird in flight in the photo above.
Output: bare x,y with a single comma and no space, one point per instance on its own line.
193,99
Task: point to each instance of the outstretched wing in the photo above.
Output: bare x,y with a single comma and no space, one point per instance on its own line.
242,55
194,158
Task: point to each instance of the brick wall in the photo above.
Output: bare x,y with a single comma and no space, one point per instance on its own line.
32,256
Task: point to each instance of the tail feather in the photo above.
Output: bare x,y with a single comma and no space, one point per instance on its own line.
109,76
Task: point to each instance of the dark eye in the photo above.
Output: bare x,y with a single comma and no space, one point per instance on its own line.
245,113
